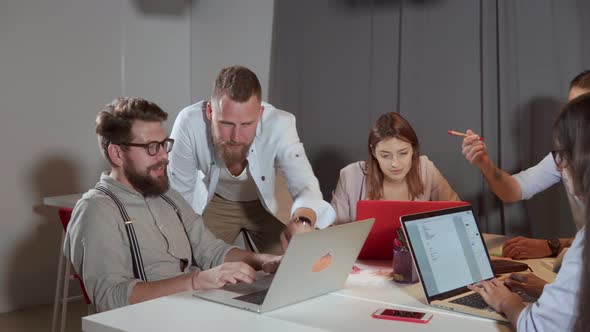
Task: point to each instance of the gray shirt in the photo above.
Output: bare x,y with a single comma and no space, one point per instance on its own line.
98,247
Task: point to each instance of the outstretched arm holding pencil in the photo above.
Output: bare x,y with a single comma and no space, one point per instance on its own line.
502,184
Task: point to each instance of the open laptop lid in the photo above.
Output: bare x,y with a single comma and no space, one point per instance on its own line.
316,263
379,243
448,250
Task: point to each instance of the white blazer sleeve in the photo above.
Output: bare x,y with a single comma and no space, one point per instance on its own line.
185,177
301,181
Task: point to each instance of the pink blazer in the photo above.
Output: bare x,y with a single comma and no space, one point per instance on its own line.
352,187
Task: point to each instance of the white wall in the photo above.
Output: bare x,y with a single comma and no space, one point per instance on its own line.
60,61
229,32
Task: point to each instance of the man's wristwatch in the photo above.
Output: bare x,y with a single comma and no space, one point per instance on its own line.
554,245
304,220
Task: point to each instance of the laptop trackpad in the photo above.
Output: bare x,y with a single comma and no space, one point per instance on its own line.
255,298
262,282
254,292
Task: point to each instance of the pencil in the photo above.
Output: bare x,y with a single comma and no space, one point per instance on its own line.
456,133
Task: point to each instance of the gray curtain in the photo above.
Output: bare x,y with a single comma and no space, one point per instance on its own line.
501,68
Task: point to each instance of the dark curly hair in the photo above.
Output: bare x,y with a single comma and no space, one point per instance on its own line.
114,121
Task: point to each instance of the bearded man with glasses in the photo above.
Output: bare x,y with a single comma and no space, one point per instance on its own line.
132,238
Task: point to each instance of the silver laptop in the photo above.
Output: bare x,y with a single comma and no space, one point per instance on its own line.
314,264
450,253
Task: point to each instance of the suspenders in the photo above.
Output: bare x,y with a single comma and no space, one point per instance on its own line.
171,202
138,269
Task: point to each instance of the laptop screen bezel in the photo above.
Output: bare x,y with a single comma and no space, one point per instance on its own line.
419,216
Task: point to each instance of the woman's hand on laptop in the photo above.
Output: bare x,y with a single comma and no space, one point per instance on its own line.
500,298
528,283
221,275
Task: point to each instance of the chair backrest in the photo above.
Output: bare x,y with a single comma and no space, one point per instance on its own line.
65,214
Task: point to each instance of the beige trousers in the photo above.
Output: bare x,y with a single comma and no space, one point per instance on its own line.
225,219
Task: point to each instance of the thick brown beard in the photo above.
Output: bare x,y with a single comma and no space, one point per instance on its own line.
144,183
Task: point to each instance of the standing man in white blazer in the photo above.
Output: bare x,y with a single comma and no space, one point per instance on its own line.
224,161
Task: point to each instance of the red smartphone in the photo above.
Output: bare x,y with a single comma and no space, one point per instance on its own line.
404,316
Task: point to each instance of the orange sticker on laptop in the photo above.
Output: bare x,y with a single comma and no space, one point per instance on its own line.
322,263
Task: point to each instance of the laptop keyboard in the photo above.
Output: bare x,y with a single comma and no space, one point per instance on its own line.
256,297
472,300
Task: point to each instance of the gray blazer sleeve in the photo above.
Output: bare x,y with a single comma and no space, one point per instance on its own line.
349,190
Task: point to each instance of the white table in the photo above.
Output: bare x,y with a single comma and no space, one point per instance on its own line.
332,312
348,309
68,201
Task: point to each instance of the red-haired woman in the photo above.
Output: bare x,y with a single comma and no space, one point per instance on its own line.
394,171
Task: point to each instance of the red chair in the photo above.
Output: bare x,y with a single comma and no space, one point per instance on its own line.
64,277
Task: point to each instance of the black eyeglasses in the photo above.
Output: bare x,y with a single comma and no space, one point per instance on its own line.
152,148
558,157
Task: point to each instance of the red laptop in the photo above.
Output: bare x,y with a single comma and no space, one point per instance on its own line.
379,243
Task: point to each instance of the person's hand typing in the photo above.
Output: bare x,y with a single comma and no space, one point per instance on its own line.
223,274
528,283
498,296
